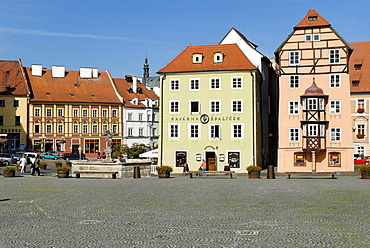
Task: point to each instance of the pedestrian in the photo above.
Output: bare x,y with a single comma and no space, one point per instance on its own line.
203,166
33,160
23,163
185,167
37,165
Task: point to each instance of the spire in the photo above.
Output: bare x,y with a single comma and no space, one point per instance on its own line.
146,71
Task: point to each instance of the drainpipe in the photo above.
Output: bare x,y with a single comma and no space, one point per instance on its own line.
161,118
253,118
313,161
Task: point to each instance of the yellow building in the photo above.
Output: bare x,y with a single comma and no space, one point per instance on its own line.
210,109
14,97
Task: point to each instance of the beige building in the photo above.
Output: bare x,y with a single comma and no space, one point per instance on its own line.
314,116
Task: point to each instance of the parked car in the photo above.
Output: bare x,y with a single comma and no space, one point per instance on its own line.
7,159
364,160
55,153
29,155
73,156
17,156
48,155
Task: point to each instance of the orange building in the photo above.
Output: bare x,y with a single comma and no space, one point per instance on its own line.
314,95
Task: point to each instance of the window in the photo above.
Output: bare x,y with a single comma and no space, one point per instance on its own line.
114,129
215,107
312,18
215,131
105,128
141,132
237,83
360,150
114,113
299,159
312,104
95,128
2,103
294,82
358,67
181,158
148,117
312,37
84,113
94,113
194,107
237,131
215,83
75,112
48,128
37,112
15,103
312,130
334,56
60,112
355,83
335,106
37,128
360,104
335,134
334,158
174,107
293,134
85,128
129,116
194,84
17,120
92,146
194,131
294,58
175,84
334,81
130,131
174,131
48,112
140,116
293,107
104,113
361,129
60,128
197,58
234,159
75,128
218,57
237,106
1,120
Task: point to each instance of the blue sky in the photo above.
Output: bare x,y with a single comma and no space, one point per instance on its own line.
117,35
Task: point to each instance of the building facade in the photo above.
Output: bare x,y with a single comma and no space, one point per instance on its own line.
210,109
314,94
359,69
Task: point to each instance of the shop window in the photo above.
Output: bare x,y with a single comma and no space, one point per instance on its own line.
91,146
334,159
180,158
234,159
299,159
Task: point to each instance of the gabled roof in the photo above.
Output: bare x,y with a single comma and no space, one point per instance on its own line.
123,88
312,19
234,59
241,36
12,79
72,88
360,56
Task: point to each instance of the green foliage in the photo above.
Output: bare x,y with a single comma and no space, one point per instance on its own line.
63,168
135,150
164,168
254,168
69,163
58,163
364,169
10,168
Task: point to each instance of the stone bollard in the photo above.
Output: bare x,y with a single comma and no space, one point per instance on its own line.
137,171
270,172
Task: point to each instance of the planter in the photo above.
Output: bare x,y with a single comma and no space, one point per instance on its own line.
9,173
364,175
63,174
43,167
360,136
360,110
164,174
254,174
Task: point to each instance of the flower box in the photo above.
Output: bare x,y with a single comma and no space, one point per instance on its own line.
360,136
360,110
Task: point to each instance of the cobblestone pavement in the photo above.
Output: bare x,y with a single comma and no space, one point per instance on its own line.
211,211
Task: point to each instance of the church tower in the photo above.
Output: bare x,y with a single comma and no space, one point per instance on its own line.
146,72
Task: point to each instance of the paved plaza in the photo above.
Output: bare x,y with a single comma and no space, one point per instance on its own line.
212,211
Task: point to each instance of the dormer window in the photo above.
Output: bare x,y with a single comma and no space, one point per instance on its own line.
135,102
358,67
312,18
218,57
355,83
197,58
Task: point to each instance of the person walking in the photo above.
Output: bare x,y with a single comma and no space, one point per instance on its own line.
37,165
203,166
33,160
23,163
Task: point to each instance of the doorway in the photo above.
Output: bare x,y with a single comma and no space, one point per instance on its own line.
211,161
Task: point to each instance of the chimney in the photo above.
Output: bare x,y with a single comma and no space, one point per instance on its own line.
36,70
134,84
85,72
95,73
58,71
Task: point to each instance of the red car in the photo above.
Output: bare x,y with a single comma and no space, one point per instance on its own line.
364,160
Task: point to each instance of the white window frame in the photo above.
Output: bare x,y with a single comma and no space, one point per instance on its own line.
171,127
114,113
294,135
218,84
130,132
105,113
85,113
335,80
218,57
37,112
95,128
197,58
194,82
313,130
215,106
60,112
294,82
334,137
212,129
129,116
49,128
234,135
75,112
312,37
141,132
174,85
60,128
94,113
75,128
85,128
360,150
293,107
114,128
294,57
190,107
239,103
175,106
334,56
236,82
105,128
197,136
49,112
140,116
335,106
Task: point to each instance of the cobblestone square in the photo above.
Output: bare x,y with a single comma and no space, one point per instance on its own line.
209,211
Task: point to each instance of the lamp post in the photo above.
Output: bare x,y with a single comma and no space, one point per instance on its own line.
42,138
3,137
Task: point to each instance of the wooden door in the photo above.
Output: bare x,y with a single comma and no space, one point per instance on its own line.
211,161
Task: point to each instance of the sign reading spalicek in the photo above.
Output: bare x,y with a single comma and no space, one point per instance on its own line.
204,118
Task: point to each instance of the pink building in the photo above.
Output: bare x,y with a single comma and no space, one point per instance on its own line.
315,127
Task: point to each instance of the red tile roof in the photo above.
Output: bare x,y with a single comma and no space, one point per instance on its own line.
123,86
360,56
12,79
72,88
310,21
234,59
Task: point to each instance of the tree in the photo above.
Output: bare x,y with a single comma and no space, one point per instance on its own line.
132,152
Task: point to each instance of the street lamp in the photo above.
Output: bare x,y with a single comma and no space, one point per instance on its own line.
42,138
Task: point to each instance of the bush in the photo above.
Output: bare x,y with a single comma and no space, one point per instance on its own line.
63,168
254,168
364,169
164,168
10,168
